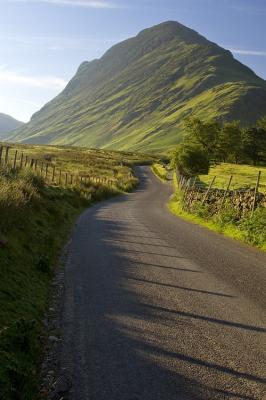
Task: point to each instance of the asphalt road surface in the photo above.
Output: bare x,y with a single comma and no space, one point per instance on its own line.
159,308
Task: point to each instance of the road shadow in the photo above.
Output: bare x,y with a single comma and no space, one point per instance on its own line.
117,350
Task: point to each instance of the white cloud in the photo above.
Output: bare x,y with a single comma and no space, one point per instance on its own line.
99,4
249,52
57,43
28,102
48,82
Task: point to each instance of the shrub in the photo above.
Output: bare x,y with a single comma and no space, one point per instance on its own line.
191,160
200,210
227,216
254,228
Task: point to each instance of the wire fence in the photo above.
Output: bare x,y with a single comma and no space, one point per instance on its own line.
18,160
244,200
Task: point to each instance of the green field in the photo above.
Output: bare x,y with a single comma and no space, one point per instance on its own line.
244,176
35,220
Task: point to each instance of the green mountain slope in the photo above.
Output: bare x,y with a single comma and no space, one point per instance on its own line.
138,94
8,124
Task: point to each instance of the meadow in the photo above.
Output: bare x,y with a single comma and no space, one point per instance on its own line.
37,212
244,176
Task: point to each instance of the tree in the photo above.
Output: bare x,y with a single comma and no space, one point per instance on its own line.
262,123
254,144
230,141
191,160
205,134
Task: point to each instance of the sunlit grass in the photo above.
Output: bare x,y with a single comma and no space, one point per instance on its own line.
160,171
231,230
244,176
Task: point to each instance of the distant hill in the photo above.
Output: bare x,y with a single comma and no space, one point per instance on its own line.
8,124
137,95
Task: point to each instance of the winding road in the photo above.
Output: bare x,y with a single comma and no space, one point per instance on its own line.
157,308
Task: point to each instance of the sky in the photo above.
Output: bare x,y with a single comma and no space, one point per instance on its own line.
44,41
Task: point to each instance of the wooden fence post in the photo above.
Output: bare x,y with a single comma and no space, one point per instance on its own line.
32,163
225,193
35,165
1,153
183,183
205,198
53,176
179,178
60,176
190,196
15,159
7,154
46,171
42,167
66,179
26,161
185,193
255,194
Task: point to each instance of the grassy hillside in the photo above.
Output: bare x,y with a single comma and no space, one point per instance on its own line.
138,94
8,124
35,219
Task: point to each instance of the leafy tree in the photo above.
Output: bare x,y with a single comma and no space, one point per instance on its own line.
262,123
254,144
205,134
191,160
230,141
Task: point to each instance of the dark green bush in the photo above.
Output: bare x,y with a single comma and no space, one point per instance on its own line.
228,215
200,210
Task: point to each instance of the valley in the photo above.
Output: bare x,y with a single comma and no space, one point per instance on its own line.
137,96
132,208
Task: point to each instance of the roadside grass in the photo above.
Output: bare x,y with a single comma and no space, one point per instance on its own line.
160,171
249,230
243,176
30,246
35,220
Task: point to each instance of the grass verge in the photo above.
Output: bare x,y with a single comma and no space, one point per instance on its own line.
160,171
29,251
251,230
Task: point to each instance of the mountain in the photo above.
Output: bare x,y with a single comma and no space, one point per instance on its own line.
137,95
8,124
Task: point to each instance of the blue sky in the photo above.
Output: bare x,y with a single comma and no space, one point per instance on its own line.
44,41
